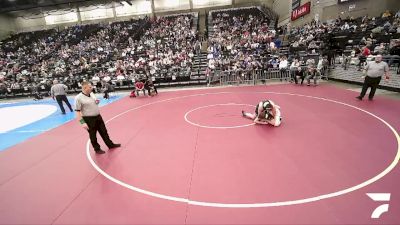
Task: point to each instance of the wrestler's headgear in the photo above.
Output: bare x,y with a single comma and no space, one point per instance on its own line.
267,106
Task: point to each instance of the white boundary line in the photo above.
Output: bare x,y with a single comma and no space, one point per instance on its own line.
253,205
24,131
214,127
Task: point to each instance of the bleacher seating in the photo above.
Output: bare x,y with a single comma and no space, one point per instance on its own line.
168,49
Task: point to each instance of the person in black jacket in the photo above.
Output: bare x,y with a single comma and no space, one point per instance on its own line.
299,74
149,86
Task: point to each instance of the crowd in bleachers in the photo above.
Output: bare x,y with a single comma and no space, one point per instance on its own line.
355,37
164,48
242,44
241,41
29,62
239,36
117,53
363,27
360,38
164,51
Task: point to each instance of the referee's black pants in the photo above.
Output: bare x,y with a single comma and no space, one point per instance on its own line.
297,75
63,98
372,82
148,88
96,123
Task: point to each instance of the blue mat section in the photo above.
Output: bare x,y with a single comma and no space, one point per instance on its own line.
56,119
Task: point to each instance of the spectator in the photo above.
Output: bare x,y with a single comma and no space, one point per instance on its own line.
373,74
363,57
58,92
283,65
386,14
397,14
294,67
299,74
380,49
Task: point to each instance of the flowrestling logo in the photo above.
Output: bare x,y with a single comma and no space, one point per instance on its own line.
379,197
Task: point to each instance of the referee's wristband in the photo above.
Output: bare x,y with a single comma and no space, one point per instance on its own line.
82,121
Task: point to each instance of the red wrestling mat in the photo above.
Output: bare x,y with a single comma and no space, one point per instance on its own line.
189,157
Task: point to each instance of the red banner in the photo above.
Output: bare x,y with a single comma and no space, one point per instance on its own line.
301,11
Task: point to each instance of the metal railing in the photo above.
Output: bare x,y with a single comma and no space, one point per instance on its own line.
250,77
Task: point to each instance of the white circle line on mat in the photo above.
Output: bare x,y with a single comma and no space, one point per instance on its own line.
216,127
256,204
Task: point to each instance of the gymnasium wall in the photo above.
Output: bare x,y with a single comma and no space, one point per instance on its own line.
7,26
24,22
282,7
30,24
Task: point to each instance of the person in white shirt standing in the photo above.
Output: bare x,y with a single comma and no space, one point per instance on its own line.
88,115
96,82
293,68
373,75
283,65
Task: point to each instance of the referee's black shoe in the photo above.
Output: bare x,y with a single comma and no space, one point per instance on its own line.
114,146
99,151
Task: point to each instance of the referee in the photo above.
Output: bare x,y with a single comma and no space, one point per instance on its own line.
374,72
58,93
88,114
